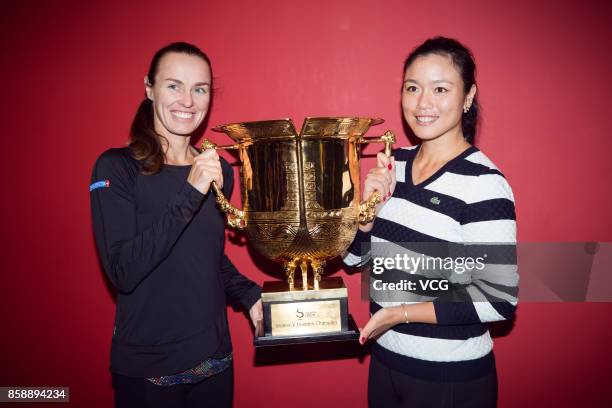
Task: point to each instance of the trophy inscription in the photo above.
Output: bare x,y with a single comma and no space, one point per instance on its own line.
305,318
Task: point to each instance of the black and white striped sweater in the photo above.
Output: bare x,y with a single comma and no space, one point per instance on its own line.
468,201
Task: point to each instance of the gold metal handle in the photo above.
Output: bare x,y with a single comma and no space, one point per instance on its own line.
388,138
235,217
367,209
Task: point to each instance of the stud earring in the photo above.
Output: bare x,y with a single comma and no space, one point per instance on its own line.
467,107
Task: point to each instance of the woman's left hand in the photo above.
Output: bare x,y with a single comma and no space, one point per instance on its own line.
256,315
382,321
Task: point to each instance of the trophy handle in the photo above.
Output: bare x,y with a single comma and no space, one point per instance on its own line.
388,138
235,217
367,208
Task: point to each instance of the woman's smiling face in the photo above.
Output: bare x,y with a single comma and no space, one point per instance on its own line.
433,97
180,93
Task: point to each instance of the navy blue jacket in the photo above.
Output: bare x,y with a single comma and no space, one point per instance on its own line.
161,243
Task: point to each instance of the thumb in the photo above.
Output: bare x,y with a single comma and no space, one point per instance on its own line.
207,154
382,160
364,335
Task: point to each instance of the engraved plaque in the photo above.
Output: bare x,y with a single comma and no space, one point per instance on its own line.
290,319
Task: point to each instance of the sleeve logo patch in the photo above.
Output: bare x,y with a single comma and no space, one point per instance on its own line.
99,184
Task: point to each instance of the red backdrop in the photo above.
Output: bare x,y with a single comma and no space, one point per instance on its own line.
71,78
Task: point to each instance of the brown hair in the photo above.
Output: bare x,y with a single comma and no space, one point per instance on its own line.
144,140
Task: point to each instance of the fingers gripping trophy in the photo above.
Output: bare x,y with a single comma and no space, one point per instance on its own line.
301,207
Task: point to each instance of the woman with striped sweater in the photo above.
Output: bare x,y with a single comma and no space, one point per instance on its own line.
442,193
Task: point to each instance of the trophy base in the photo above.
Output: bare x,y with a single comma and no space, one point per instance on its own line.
294,316
351,334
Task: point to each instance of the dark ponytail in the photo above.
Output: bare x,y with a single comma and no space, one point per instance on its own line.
144,140
463,60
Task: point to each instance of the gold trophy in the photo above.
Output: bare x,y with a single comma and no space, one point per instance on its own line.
301,207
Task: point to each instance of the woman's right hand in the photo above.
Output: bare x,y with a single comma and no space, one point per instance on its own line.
382,179
206,168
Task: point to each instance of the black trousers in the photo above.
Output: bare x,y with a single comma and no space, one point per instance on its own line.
389,389
215,391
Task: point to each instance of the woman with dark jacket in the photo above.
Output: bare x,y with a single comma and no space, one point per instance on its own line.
160,238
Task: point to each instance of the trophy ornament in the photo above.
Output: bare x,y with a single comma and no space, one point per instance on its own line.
301,206
294,227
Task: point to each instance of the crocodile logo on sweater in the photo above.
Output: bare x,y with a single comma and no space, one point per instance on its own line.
435,200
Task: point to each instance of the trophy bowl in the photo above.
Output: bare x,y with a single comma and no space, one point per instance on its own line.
301,207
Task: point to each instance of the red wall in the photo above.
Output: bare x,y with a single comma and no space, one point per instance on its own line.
71,78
